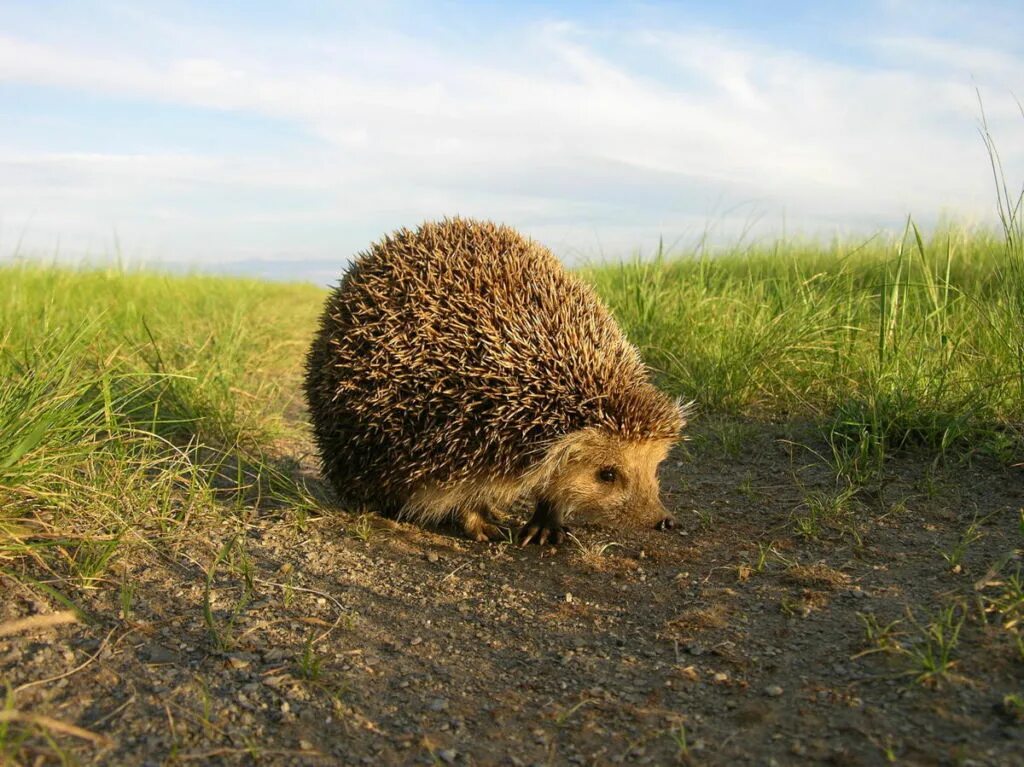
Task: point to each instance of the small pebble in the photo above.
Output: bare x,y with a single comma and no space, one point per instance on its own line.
448,755
160,654
438,704
773,691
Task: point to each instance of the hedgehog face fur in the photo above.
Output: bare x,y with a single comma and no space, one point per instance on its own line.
459,369
608,480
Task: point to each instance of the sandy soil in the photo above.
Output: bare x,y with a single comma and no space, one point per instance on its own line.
733,640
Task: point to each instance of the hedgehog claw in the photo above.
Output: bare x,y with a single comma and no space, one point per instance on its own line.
541,534
544,527
527,533
489,532
480,527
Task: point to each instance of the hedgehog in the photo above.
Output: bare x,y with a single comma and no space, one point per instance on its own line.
460,371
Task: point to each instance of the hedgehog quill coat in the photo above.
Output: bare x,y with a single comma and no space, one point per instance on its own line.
459,367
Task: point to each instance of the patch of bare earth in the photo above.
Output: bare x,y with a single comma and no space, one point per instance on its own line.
733,640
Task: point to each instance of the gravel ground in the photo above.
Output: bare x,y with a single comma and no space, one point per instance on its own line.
349,639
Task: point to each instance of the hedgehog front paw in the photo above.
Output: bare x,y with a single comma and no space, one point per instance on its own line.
479,527
545,526
531,533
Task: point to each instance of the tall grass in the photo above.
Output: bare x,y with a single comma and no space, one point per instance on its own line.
135,402
890,342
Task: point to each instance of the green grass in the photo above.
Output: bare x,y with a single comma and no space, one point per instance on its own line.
926,651
889,343
135,403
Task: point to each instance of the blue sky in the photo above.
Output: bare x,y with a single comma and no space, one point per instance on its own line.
251,135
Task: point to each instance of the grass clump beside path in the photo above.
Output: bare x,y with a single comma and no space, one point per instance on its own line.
890,342
133,403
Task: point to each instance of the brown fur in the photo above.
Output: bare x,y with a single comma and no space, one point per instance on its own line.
459,369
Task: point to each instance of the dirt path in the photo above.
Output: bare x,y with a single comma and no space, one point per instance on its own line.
735,640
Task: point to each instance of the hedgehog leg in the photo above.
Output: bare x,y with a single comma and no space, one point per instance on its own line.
478,526
545,526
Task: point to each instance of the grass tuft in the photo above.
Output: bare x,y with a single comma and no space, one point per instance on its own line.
908,342
134,404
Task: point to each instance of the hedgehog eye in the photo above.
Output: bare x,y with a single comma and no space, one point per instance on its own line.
607,474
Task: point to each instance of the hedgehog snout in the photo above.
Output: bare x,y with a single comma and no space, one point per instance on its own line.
662,519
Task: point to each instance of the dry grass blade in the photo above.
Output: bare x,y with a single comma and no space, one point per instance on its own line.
37,623
54,725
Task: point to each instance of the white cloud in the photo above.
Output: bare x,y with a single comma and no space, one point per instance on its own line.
566,142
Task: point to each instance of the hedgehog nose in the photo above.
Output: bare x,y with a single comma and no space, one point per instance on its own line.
665,521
